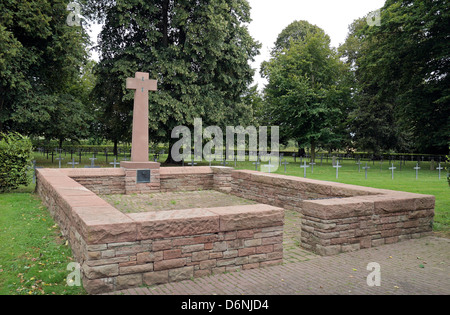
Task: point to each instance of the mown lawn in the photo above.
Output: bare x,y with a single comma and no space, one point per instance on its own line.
33,255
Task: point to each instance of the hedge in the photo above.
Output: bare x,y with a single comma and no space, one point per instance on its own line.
16,154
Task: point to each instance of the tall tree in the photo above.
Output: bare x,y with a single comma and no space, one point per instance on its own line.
306,95
372,121
407,66
40,62
296,31
198,50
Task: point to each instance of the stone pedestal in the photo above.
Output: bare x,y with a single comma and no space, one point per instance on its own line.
141,177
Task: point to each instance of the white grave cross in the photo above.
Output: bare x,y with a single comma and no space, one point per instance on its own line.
285,163
359,165
73,163
439,169
115,163
337,167
304,168
366,168
392,169
417,168
269,166
256,163
312,166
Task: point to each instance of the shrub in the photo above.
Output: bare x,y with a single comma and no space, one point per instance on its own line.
16,153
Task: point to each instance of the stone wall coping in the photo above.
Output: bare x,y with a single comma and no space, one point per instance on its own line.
222,169
385,202
185,170
92,172
347,200
108,172
129,165
307,184
248,217
162,224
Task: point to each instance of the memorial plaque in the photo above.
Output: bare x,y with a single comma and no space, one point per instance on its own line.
143,176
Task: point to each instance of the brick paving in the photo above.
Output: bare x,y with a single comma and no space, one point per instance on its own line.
412,267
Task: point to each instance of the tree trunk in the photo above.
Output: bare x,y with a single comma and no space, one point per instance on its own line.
170,160
2,101
165,23
301,152
115,151
313,151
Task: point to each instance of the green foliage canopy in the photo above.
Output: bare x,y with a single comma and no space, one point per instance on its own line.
41,60
306,92
199,51
405,63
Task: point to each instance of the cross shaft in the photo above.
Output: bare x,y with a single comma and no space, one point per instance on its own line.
141,84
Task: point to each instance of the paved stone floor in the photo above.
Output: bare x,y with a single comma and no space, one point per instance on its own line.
413,267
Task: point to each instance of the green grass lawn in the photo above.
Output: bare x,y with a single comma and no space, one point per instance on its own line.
34,257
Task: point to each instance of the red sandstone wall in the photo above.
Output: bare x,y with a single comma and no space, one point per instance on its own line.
339,217
118,251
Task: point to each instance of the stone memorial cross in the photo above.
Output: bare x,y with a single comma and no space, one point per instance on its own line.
141,84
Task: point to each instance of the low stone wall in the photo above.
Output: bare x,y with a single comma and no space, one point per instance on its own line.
99,181
116,266
222,178
338,217
289,192
118,251
186,178
132,187
340,225
167,179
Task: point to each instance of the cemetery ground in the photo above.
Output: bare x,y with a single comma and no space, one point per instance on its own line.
34,256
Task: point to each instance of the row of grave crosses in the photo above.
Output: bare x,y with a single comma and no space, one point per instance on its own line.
268,166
